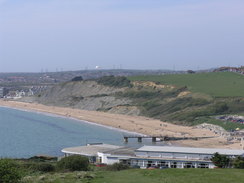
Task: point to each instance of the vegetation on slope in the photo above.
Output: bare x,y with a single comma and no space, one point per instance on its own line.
119,81
187,99
172,176
27,172
9,173
192,99
143,176
215,84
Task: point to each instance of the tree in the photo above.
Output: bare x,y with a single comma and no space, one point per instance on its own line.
239,162
9,172
191,72
77,78
74,163
221,161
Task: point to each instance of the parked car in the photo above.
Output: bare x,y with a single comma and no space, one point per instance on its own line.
101,165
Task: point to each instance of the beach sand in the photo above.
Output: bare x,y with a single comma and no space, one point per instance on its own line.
137,124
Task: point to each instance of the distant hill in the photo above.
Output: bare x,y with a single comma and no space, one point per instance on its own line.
187,99
50,78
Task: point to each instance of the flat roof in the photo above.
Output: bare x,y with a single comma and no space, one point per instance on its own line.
123,151
90,149
190,150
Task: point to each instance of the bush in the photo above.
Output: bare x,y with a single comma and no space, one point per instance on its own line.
9,171
119,81
43,158
77,78
221,161
43,167
239,162
74,163
117,167
220,108
141,94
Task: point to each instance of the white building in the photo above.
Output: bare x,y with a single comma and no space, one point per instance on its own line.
122,154
179,157
1,92
90,150
154,156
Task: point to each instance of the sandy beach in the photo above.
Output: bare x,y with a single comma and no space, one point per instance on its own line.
137,124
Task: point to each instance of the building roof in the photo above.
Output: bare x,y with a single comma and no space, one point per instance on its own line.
190,150
90,149
123,151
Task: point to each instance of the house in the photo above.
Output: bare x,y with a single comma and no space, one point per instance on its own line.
153,156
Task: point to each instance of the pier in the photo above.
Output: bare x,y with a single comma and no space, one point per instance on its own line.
139,138
161,138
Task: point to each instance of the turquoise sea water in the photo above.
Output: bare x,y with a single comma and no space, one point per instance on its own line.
25,134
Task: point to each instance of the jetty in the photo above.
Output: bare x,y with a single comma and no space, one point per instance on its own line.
161,138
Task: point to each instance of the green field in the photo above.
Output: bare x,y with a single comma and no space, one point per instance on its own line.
216,84
72,170
145,176
173,176
211,94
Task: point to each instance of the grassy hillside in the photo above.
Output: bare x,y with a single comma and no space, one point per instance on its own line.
143,176
216,84
172,176
187,99
192,99
73,170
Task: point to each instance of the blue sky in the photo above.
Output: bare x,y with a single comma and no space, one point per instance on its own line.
132,34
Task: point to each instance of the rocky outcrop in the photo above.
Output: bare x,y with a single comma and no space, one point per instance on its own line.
215,128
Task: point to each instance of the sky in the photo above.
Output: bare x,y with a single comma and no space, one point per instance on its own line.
59,35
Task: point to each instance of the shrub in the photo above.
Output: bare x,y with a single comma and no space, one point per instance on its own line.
9,171
74,163
141,94
220,108
43,167
77,78
239,162
43,158
221,161
119,81
117,167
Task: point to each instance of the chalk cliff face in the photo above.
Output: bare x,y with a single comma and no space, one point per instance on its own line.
87,95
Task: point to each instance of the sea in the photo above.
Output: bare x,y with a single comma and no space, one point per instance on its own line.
24,134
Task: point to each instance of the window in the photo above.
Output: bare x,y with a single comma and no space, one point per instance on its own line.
173,164
189,165
203,165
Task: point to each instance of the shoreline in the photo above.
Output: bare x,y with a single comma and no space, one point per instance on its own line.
75,119
129,124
